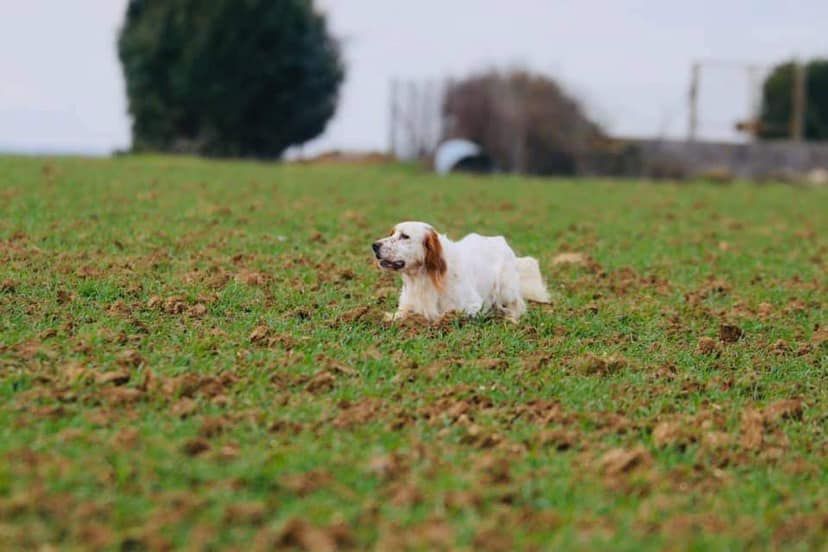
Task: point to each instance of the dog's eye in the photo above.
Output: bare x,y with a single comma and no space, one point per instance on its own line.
403,236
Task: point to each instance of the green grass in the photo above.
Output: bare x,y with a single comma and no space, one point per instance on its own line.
193,354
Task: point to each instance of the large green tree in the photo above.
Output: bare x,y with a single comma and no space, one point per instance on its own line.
245,78
777,104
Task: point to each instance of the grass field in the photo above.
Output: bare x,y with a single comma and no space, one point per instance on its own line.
193,354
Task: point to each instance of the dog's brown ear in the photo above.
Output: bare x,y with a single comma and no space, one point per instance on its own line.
435,264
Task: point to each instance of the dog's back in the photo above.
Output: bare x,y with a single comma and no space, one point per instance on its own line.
495,252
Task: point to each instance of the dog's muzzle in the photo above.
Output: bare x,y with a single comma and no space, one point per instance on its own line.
385,263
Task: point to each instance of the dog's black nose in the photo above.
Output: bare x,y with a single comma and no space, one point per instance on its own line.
376,247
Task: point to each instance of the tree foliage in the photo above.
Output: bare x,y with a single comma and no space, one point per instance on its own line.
777,101
245,78
526,122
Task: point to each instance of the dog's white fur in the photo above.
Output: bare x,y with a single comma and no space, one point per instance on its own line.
472,276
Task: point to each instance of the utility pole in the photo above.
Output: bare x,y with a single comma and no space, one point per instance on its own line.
755,99
412,118
693,98
799,101
392,118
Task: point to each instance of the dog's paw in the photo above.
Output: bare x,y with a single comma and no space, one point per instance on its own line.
396,316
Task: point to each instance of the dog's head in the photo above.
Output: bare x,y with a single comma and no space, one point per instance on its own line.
411,247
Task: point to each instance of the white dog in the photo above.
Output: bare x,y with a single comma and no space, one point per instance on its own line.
472,276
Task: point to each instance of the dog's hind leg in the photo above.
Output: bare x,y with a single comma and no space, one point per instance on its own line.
532,287
513,310
510,300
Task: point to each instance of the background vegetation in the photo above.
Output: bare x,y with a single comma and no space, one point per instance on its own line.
777,104
228,78
526,122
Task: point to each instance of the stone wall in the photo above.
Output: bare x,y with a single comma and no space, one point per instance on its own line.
755,160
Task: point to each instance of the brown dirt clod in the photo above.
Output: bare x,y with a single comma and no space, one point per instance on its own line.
730,333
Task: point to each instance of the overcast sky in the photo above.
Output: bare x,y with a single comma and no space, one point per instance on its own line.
629,61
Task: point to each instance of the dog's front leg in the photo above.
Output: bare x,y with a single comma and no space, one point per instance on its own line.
473,309
472,304
404,307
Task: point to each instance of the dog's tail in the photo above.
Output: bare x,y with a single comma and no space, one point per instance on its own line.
531,282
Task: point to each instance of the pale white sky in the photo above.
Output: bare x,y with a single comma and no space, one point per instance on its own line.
61,87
